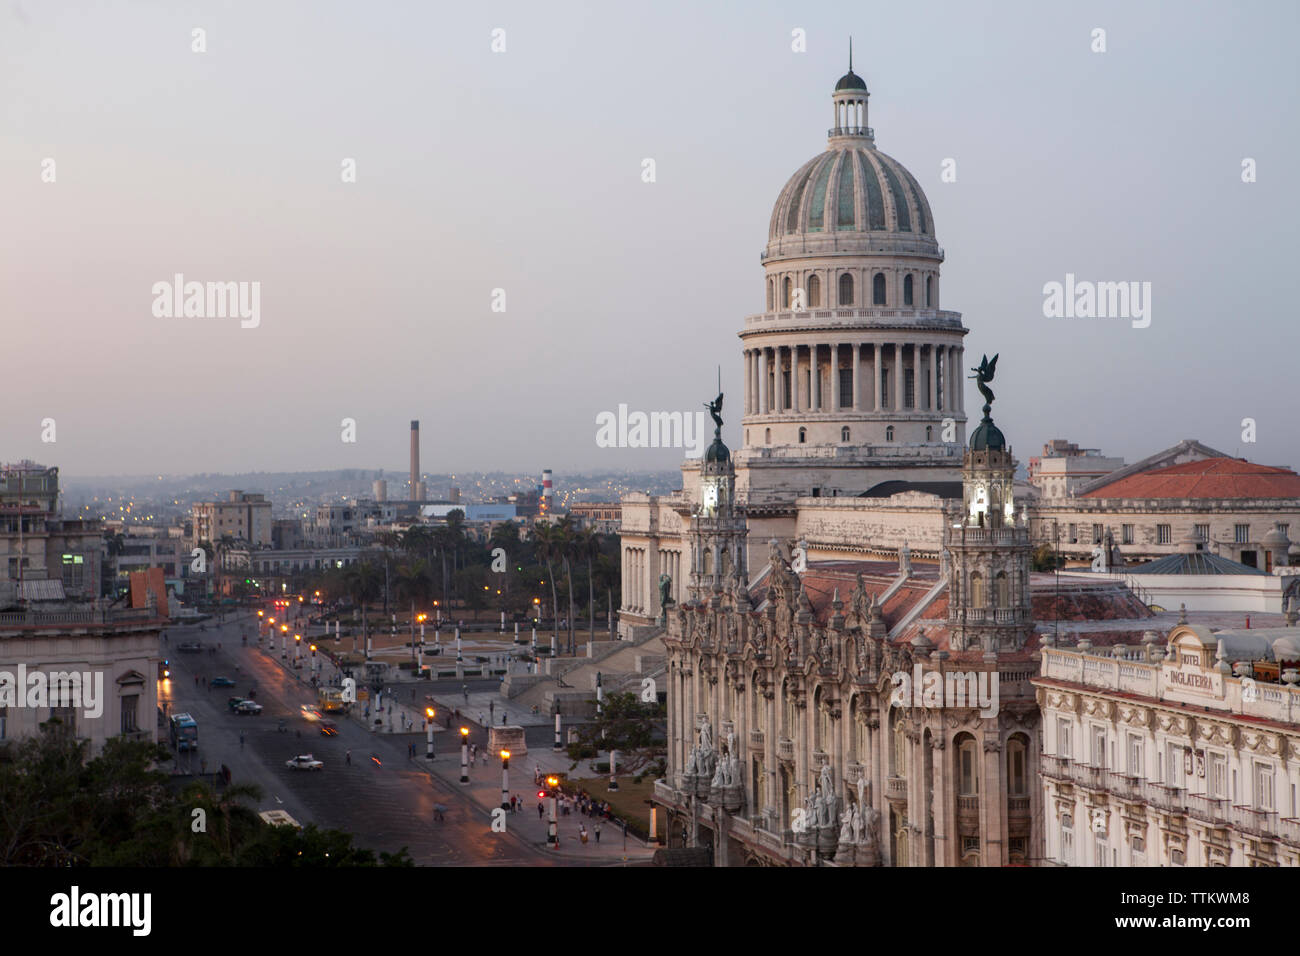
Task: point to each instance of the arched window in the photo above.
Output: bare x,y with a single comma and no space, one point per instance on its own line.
785,293
814,292
771,294
889,433
929,292
767,436
844,433
846,289
803,436
976,590
968,778
1017,756
929,433
907,290
878,289
1002,590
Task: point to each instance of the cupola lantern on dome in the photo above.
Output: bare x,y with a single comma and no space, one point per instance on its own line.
850,101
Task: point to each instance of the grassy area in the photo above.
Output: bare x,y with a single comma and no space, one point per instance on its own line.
628,801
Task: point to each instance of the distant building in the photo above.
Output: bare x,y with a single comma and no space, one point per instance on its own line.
1180,751
38,545
1064,466
246,516
604,516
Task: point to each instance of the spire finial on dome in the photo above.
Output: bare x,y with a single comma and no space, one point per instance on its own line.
850,54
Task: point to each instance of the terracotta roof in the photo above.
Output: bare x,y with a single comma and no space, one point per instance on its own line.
1208,478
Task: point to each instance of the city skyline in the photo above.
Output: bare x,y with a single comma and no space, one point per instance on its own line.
376,295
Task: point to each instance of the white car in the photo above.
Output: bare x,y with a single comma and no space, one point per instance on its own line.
304,762
248,707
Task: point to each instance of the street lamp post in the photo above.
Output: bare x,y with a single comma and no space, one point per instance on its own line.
558,745
428,730
553,829
284,641
505,780
313,663
464,755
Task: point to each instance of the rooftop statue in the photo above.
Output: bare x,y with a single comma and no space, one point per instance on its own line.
715,409
983,375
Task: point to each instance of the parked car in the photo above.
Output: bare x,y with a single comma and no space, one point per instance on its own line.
221,682
190,646
304,762
251,707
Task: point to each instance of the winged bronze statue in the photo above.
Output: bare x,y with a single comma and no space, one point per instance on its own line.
715,409
983,375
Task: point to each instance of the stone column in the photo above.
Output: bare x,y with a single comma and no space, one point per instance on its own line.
899,393
857,376
931,396
778,385
796,398
765,382
961,392
814,380
748,381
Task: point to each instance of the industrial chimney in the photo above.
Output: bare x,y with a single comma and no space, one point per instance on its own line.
415,460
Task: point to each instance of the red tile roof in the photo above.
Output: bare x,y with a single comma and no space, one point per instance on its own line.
1207,478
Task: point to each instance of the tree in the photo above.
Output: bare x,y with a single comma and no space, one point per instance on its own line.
363,585
414,585
626,725
547,542
568,550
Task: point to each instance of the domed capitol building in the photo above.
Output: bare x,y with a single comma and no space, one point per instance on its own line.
857,536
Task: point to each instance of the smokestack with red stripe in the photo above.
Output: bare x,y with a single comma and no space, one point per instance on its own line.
415,459
548,492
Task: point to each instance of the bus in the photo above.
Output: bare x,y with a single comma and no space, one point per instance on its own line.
184,732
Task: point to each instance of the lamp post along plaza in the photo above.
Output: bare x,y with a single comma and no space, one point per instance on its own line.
464,755
428,731
553,827
558,745
505,780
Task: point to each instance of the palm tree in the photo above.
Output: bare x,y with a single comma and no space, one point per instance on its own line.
547,543
388,541
414,584
362,584
567,548
589,547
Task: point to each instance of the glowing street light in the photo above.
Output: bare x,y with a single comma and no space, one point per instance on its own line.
505,780
464,755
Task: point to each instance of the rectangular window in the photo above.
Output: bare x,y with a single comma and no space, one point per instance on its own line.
1096,534
884,388
909,388
1264,787
1241,533
1102,854
1127,533
1067,845
67,717
846,388
1098,746
1173,765
1204,531
1163,534
74,571
130,713
1063,748
1218,776
1074,534
1136,768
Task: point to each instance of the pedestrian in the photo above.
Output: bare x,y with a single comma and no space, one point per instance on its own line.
512,800
241,740
348,758
597,832
582,832
481,722
464,689
540,809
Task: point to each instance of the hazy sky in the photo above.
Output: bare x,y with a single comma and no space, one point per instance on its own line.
521,170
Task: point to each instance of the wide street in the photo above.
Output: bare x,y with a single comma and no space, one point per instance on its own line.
384,798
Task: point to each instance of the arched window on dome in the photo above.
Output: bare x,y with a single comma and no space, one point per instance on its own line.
767,436
878,289
803,436
844,433
785,293
814,292
889,433
771,294
907,290
929,292
846,289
